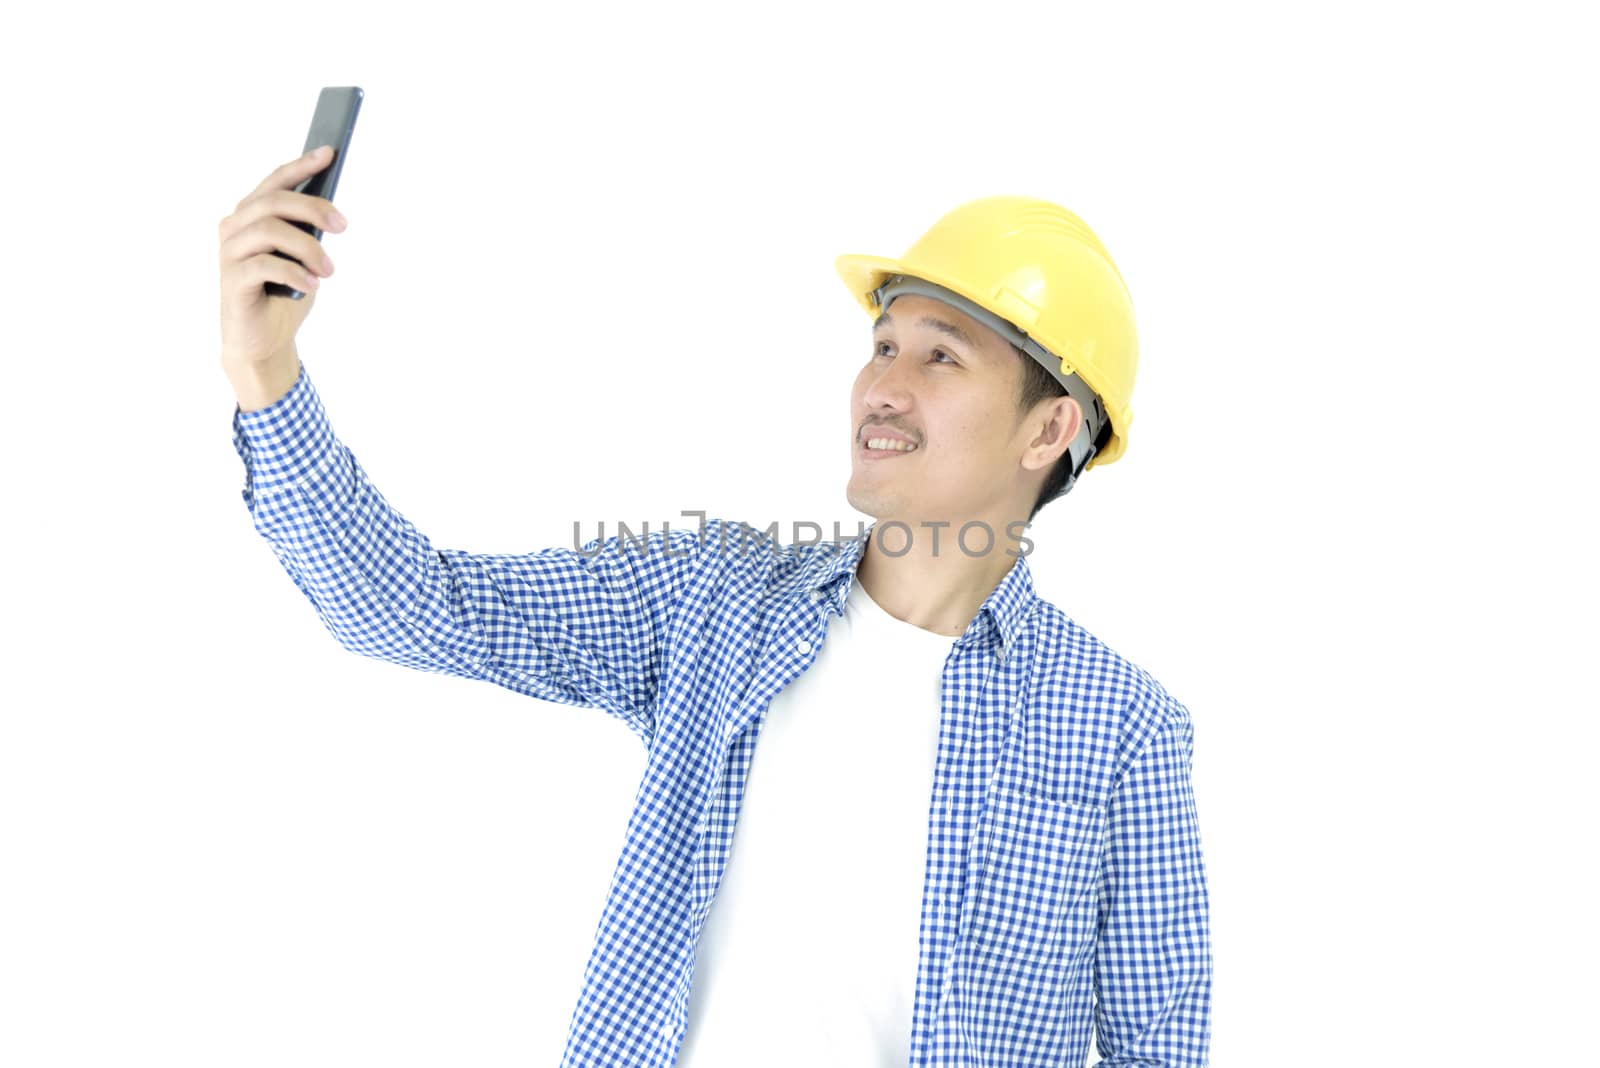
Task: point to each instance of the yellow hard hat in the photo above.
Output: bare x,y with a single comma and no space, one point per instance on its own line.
1035,272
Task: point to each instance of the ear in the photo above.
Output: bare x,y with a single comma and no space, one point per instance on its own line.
1052,425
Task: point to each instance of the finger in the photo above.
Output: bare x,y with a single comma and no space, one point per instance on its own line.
248,277
282,204
271,233
285,177
296,171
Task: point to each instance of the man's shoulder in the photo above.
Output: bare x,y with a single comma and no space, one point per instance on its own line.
737,548
1094,676
725,536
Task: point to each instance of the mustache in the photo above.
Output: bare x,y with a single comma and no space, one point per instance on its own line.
861,434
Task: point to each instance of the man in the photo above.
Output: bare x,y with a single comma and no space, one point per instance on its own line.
969,837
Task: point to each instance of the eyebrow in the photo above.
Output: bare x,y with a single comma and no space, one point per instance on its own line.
938,324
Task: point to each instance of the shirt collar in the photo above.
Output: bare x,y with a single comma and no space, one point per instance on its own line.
999,619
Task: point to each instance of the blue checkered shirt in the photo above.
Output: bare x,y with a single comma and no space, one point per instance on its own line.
1064,894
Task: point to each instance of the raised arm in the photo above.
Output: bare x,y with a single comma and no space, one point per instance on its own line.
577,627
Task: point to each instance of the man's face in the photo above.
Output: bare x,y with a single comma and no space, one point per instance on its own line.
942,381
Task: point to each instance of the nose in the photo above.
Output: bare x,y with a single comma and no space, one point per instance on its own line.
888,384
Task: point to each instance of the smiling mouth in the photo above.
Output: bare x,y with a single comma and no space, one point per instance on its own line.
875,449
872,444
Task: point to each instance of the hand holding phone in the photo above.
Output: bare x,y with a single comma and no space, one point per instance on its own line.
331,124
271,246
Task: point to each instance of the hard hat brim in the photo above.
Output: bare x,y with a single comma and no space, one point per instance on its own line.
863,274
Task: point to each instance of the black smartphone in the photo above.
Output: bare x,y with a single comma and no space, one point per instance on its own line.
331,124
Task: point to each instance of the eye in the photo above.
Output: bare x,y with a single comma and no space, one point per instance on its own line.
877,350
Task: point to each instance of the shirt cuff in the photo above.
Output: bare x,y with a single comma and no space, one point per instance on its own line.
286,442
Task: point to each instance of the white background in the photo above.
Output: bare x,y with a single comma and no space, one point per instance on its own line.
589,274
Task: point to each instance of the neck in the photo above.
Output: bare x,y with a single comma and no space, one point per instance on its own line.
933,583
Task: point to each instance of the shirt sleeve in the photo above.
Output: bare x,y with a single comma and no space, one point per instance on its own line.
1153,957
576,626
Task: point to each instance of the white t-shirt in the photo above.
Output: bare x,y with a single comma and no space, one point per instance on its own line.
809,953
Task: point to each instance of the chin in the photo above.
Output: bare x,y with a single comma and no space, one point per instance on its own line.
866,503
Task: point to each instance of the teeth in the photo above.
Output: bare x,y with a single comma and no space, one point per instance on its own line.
889,443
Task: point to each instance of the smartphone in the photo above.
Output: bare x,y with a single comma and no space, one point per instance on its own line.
331,124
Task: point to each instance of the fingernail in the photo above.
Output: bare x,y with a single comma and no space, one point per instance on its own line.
337,220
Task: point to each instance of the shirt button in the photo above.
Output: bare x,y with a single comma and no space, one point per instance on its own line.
804,646
816,595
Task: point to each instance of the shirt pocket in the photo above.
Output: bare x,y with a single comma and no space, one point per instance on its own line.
1034,902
